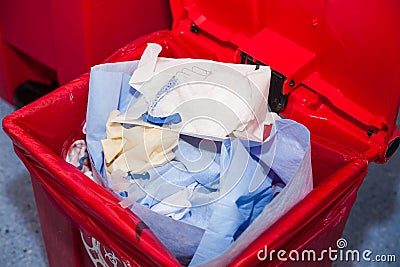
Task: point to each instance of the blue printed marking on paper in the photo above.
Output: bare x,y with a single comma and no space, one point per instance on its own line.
165,89
172,119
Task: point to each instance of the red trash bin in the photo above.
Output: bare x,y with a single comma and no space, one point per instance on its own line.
331,72
56,40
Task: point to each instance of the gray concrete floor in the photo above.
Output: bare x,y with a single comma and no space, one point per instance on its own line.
374,223
21,240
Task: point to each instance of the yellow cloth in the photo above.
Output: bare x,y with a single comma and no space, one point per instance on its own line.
136,149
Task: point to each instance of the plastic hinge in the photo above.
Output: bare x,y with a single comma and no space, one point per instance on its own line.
277,101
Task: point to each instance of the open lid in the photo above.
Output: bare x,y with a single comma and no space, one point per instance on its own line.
347,52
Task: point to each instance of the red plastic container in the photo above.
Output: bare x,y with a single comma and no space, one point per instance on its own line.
331,73
59,40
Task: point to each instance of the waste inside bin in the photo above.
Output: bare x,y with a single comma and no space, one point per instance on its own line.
213,169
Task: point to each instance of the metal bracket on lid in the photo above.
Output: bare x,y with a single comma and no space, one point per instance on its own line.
392,147
194,28
276,99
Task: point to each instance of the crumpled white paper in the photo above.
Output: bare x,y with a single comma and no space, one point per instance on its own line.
213,99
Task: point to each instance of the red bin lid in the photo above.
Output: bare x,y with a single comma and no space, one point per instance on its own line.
347,51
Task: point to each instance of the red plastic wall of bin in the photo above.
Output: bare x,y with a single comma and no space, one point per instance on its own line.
17,67
316,222
68,37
